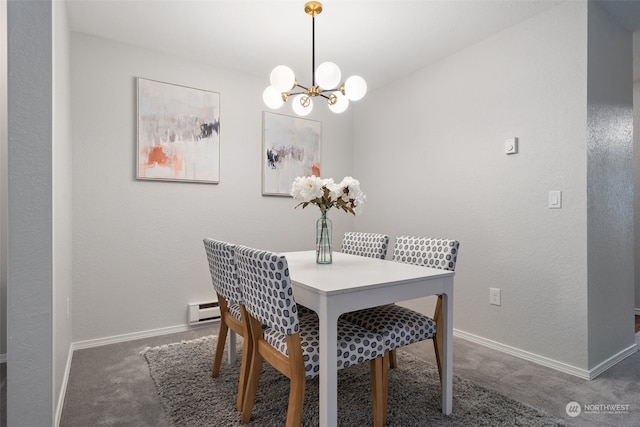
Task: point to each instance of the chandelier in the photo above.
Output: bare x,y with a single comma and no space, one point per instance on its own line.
325,81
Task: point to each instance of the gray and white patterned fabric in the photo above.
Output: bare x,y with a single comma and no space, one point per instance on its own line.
426,251
264,277
371,245
305,311
399,325
234,310
268,295
224,272
355,344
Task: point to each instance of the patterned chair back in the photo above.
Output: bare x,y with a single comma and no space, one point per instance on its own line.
223,269
428,252
371,245
268,295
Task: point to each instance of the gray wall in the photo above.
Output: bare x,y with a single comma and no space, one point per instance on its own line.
29,255
609,186
3,180
39,206
636,159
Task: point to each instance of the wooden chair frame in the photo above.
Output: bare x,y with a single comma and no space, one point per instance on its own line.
240,327
292,366
221,266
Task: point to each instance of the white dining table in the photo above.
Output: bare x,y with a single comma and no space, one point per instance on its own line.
353,282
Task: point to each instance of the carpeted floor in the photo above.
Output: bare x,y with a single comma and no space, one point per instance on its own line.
190,397
110,385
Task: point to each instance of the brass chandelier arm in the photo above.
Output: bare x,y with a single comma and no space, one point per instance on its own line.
313,91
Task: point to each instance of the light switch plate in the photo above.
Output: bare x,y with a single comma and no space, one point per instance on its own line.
494,296
555,199
511,145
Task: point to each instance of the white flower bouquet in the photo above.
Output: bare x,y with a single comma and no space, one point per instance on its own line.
325,194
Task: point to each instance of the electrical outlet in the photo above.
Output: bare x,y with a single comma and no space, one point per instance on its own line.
494,296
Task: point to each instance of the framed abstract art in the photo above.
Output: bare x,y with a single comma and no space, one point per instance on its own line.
290,148
178,133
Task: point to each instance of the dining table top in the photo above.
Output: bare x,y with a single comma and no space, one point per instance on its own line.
348,273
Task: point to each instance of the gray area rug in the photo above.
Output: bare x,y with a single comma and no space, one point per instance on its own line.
190,397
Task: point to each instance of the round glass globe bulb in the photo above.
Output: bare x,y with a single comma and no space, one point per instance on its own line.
355,88
282,78
302,105
341,104
272,98
328,75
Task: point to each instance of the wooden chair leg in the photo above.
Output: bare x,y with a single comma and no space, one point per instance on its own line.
255,368
385,388
437,347
296,401
379,389
217,358
297,377
247,353
437,341
393,362
376,389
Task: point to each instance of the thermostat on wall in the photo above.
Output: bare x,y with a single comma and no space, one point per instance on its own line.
511,145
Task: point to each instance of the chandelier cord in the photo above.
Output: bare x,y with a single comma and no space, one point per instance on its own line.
313,50
321,92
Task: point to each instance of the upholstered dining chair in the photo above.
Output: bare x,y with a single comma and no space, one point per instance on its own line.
290,343
372,245
222,266
402,326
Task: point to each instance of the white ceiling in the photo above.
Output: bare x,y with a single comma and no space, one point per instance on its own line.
379,40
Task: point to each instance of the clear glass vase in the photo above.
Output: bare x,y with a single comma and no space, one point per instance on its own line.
324,233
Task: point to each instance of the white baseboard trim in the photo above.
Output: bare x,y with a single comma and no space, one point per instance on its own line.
522,354
637,311
79,345
545,361
63,386
600,368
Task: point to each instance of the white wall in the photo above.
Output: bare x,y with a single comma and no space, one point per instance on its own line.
138,257
430,149
609,187
137,252
61,202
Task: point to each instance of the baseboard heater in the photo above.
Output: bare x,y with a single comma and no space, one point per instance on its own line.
203,312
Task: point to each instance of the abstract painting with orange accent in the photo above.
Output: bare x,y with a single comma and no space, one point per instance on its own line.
178,133
290,148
